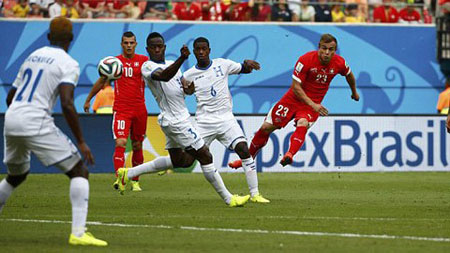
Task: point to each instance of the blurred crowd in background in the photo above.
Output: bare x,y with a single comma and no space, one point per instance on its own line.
348,11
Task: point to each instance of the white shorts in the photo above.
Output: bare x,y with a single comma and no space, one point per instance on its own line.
52,149
229,133
182,135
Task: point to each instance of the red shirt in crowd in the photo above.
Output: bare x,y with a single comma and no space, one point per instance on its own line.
238,12
385,14
118,4
409,15
183,12
92,3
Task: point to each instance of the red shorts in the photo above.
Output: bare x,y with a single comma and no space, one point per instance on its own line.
134,120
286,110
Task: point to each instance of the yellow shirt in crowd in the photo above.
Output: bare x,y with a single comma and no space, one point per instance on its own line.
19,11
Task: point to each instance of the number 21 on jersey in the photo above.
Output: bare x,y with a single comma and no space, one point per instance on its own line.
27,76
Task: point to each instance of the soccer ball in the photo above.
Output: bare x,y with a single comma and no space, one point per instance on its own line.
111,67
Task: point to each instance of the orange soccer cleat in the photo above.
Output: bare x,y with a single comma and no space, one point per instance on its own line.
287,159
235,164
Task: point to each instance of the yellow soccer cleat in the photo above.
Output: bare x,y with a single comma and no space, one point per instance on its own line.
123,179
116,184
87,239
237,200
135,186
259,199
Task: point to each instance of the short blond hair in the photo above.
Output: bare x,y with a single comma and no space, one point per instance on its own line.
60,30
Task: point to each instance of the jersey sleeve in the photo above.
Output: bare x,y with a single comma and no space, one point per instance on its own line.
233,67
148,68
70,73
18,81
344,68
300,70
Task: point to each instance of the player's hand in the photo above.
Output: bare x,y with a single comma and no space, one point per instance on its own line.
250,64
320,109
185,52
86,106
355,96
86,152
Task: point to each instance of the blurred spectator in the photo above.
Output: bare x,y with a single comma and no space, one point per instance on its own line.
117,8
385,13
323,11
444,6
409,15
354,14
156,10
7,6
187,10
362,6
21,9
55,9
294,6
104,100
260,11
307,12
337,15
69,10
444,100
281,11
44,5
93,8
217,11
35,11
237,11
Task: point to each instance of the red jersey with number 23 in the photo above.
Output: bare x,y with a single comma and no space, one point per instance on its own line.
315,77
129,89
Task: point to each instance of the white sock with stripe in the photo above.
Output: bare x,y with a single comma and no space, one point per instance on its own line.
251,175
79,197
212,175
158,164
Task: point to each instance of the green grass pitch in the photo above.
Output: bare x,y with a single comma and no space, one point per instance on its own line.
310,212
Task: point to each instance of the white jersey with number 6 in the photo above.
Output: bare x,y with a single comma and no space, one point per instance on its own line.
37,90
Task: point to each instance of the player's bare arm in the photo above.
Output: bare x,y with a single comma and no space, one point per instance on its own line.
71,116
352,83
167,74
301,95
10,96
98,85
188,87
249,65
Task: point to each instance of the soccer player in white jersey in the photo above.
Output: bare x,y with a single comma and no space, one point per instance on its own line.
214,115
29,127
183,141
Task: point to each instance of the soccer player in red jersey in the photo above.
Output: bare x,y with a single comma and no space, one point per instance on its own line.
312,75
130,113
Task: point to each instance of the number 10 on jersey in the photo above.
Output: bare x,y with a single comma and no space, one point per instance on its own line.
128,71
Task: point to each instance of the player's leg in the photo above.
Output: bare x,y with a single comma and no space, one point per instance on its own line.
137,135
17,161
121,128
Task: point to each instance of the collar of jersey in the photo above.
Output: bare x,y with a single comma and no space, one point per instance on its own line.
159,62
210,63
54,46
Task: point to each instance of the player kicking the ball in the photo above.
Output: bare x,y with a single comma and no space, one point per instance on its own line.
29,127
214,116
183,141
311,79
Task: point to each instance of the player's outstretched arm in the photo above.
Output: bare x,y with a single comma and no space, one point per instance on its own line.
71,116
167,74
98,85
300,94
352,83
249,65
10,96
188,87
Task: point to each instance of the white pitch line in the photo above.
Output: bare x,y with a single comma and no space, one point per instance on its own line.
250,231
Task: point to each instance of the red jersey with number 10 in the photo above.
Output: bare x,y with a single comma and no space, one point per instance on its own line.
129,89
315,77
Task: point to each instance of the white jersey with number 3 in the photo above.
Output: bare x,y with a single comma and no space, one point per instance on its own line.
169,95
37,91
214,101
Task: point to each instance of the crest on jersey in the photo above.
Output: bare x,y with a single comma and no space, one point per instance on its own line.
298,67
314,70
136,64
331,71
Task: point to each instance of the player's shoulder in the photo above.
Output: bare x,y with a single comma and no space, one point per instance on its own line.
310,55
142,58
339,59
62,58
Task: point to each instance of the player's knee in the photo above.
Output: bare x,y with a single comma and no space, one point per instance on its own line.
268,128
302,122
242,150
121,142
204,156
79,170
16,180
137,145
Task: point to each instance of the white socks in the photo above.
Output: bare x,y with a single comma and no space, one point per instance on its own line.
5,191
212,175
158,164
251,175
79,197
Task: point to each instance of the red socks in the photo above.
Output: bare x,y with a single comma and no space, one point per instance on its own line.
119,158
259,140
297,139
137,159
